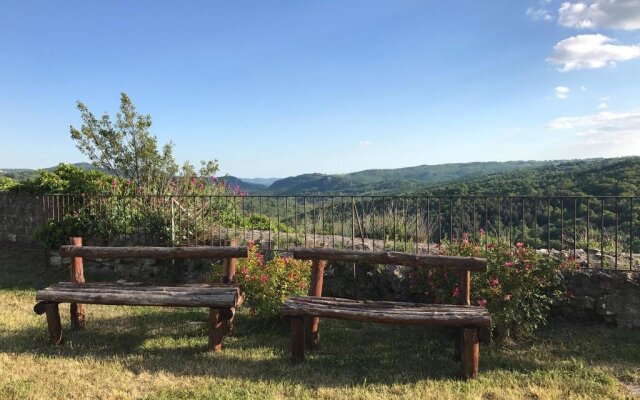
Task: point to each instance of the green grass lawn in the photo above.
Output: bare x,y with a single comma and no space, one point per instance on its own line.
145,352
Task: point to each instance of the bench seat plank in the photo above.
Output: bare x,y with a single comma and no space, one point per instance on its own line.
139,294
387,312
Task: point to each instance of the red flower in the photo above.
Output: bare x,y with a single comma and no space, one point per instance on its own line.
494,282
508,264
456,292
570,294
114,183
482,302
264,278
302,285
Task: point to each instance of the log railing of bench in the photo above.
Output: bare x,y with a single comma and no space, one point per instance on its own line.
78,252
320,256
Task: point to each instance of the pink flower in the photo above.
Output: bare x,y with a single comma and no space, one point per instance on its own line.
570,294
528,267
264,278
494,282
302,285
482,232
244,271
456,292
128,182
251,243
508,264
482,302
114,183
519,245
507,297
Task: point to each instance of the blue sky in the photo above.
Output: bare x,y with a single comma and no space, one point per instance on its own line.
280,88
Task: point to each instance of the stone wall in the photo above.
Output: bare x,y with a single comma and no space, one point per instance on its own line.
20,217
606,295
596,295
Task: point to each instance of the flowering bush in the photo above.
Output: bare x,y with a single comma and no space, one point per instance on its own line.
267,284
518,288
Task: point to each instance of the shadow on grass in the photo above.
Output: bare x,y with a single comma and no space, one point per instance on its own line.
155,340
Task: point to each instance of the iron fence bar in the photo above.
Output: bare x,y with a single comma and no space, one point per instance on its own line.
561,226
602,234
416,227
575,225
631,233
588,228
615,243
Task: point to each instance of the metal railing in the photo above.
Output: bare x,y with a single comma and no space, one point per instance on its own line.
601,230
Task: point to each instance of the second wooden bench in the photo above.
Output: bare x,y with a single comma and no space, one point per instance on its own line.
468,319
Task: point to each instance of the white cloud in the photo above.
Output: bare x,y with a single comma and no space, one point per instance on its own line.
364,143
539,14
617,14
613,131
603,105
562,92
583,88
590,51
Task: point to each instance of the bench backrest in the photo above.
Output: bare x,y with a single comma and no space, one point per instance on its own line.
320,257
78,252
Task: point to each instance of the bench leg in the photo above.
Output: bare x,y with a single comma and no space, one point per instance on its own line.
470,353
78,315
312,339
53,323
216,328
297,339
228,325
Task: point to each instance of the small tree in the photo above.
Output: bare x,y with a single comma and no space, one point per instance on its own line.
127,149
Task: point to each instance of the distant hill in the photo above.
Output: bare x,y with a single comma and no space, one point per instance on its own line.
598,177
251,188
392,181
260,181
594,177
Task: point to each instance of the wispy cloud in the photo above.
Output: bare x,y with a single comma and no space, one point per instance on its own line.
616,14
609,129
562,92
539,14
590,51
364,143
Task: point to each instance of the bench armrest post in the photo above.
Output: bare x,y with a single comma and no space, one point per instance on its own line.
315,289
465,287
77,276
230,264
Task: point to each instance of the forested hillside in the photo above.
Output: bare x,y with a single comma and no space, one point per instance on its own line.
597,177
392,180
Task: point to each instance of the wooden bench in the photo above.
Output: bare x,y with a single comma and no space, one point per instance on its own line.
221,299
467,319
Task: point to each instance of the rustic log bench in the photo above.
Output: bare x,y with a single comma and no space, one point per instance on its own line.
467,319
221,299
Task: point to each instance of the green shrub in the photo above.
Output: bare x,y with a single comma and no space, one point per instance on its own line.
518,288
7,183
267,284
